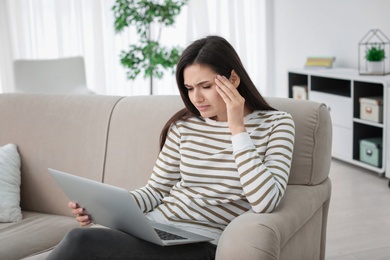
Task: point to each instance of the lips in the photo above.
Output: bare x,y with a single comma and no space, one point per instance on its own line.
202,108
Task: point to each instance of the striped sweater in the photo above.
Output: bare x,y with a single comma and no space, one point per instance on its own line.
204,176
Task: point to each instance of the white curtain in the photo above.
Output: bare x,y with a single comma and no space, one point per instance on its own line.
48,29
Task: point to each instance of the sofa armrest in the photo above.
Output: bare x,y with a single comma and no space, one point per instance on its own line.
262,236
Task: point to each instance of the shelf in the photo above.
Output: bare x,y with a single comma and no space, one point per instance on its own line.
366,122
296,79
380,171
341,90
338,87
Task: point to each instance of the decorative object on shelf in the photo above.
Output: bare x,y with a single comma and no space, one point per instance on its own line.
319,62
374,49
147,56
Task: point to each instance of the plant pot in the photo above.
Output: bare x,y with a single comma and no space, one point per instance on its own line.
375,67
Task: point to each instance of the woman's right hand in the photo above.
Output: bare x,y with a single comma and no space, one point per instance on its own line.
83,218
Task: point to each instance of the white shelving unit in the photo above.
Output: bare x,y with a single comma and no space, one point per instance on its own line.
340,90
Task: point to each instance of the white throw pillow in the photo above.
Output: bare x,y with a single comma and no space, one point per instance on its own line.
10,184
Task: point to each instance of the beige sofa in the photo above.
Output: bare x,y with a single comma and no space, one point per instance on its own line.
115,140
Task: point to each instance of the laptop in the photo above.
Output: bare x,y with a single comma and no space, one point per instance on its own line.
116,208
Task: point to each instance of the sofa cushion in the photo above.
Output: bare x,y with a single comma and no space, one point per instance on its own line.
10,184
34,233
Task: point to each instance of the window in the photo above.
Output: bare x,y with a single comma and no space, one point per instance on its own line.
49,29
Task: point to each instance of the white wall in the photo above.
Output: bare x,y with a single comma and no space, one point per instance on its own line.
305,28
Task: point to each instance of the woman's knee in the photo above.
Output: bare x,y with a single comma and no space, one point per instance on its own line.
77,234
78,238
71,245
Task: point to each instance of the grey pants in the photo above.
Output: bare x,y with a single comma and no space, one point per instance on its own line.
102,243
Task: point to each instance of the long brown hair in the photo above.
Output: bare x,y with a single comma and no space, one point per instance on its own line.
219,55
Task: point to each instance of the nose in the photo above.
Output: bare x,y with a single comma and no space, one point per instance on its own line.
197,95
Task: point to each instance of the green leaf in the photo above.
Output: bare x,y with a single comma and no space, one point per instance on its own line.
147,56
375,53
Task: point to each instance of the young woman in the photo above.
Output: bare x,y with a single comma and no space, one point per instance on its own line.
225,153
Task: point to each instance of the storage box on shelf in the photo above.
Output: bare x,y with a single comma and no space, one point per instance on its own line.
371,108
299,92
359,107
371,151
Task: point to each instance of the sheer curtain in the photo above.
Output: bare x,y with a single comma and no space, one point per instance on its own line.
48,29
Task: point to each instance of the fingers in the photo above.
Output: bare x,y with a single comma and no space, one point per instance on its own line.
72,205
78,211
229,92
83,218
225,87
235,104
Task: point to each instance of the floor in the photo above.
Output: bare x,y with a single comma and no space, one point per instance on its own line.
359,214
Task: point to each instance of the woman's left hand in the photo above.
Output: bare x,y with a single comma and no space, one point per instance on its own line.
235,104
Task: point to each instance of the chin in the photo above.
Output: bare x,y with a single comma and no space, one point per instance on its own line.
208,115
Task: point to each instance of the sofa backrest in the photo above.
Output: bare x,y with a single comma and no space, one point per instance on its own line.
133,140
63,132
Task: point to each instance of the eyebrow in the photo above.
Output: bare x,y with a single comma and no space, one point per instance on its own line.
200,83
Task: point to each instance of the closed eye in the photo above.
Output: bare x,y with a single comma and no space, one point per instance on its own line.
188,87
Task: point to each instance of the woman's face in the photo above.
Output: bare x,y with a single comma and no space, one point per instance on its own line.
200,83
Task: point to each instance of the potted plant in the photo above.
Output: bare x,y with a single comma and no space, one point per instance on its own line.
147,56
375,56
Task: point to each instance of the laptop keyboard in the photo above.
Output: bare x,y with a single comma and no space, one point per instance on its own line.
168,236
